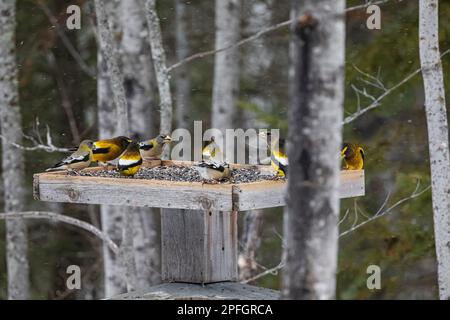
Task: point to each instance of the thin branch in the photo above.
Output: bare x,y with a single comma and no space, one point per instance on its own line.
62,218
377,101
38,142
380,214
272,271
70,48
256,36
416,193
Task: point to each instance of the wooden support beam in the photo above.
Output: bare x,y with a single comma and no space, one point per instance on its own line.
199,246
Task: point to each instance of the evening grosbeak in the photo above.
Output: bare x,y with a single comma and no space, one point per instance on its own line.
109,149
153,148
213,170
78,160
130,161
353,156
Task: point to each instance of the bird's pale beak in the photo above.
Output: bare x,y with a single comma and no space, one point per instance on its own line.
168,139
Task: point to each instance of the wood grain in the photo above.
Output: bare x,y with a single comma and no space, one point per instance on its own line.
199,246
213,291
59,187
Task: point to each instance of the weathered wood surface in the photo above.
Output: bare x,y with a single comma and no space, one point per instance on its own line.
59,187
199,246
213,291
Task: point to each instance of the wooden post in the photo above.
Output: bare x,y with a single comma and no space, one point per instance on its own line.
199,246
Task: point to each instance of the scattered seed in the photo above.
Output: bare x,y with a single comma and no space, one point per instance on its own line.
182,174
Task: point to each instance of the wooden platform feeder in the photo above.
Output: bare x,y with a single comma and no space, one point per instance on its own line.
199,239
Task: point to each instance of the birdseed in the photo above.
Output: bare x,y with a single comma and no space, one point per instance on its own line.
182,174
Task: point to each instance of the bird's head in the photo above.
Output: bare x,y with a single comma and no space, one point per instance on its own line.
163,139
87,145
124,141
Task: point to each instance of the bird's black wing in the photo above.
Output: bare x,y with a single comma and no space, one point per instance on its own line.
146,147
101,150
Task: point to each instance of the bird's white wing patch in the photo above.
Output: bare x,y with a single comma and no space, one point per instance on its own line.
127,162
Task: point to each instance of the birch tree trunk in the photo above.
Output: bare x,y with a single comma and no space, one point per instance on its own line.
112,62
182,76
162,76
112,216
226,64
315,132
12,158
138,77
437,125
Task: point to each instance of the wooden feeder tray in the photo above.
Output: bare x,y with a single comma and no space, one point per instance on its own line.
61,187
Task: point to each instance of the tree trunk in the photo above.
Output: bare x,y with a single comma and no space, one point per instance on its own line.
437,125
162,76
111,58
12,158
111,216
138,76
182,75
315,132
257,59
226,64
251,240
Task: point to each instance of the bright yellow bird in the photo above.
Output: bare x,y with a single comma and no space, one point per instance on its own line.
153,148
353,156
212,151
78,160
110,149
278,157
131,161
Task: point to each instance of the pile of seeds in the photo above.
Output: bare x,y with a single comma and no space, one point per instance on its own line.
179,173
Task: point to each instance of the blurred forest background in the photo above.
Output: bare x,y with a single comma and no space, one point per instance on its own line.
52,85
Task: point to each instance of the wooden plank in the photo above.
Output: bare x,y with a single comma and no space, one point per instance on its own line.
199,246
132,192
59,187
270,194
213,291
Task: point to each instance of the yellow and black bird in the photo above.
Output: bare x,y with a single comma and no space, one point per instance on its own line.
278,157
212,151
153,148
277,148
353,156
110,149
78,160
213,170
131,161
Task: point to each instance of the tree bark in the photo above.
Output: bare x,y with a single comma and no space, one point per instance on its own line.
139,77
226,64
183,78
111,216
437,125
251,240
317,56
111,58
12,158
257,59
162,76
